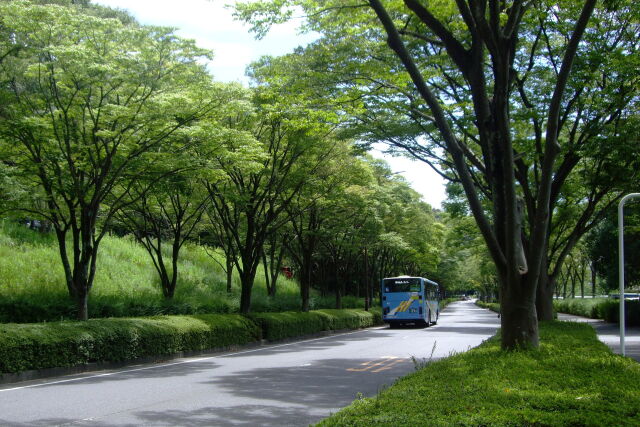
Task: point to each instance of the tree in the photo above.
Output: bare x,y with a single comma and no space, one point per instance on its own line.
252,201
475,70
168,212
86,99
167,201
309,210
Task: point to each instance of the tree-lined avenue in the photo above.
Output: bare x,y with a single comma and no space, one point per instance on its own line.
284,384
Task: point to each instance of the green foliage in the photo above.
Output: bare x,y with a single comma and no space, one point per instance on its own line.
68,343
493,306
278,326
572,379
32,285
59,344
607,309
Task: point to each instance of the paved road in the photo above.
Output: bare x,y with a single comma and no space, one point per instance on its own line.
288,384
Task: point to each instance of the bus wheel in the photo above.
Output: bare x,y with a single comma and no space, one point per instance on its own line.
428,318
435,322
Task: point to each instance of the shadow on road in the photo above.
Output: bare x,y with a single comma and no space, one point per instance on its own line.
175,369
242,415
329,341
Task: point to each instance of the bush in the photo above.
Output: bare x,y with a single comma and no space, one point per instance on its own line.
276,326
493,306
69,343
600,308
60,344
572,379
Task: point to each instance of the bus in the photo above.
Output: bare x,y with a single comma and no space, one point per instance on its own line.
410,300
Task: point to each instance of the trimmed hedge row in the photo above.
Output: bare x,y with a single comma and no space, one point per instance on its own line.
69,343
493,306
600,308
277,326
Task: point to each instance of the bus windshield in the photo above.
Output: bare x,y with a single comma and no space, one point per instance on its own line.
402,285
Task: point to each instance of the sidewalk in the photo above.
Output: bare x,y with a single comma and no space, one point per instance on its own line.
609,333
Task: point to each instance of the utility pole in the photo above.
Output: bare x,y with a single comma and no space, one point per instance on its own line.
621,262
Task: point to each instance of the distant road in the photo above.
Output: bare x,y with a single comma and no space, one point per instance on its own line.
278,385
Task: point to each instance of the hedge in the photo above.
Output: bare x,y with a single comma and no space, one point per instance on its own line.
277,326
493,306
607,309
571,380
71,343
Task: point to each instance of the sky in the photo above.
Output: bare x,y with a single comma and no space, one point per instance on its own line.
212,25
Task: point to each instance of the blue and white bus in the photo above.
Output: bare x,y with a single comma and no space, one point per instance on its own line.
408,300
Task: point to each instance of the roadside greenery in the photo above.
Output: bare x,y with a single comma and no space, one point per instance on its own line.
607,309
531,111
71,343
493,306
572,379
276,326
32,285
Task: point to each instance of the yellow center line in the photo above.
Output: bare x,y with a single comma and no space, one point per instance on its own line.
390,360
384,368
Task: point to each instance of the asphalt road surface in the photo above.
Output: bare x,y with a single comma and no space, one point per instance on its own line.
290,384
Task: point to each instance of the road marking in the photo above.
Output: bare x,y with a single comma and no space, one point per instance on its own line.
386,362
181,362
389,365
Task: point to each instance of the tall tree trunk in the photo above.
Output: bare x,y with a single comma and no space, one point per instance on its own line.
582,285
367,293
246,283
267,276
518,319
229,271
305,279
544,296
338,289
82,305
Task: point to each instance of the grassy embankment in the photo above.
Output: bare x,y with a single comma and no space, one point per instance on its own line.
32,284
572,379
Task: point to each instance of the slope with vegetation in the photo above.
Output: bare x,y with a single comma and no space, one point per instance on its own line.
110,128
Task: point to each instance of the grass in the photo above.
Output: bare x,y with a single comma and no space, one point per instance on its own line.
32,285
572,379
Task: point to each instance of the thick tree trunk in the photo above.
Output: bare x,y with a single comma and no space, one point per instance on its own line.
519,322
544,297
305,283
246,284
82,306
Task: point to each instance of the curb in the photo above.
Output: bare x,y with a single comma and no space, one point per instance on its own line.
38,374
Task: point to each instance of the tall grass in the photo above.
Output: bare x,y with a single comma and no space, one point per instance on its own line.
32,284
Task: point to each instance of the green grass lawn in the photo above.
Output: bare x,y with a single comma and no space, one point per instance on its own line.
571,380
32,286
